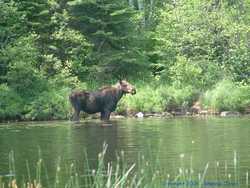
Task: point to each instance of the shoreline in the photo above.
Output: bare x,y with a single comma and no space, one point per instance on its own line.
146,115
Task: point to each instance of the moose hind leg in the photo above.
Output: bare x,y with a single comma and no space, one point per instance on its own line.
105,115
76,116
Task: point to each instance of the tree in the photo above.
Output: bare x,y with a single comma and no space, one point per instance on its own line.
204,32
110,27
12,26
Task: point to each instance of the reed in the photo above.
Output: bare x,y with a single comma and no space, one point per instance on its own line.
145,173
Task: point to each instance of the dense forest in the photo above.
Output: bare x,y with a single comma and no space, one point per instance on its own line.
176,52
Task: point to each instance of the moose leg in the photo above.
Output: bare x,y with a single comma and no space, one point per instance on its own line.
105,115
76,115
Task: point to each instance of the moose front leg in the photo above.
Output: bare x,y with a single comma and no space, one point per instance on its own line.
105,115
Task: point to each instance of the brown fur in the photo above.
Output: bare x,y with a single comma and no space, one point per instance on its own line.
103,100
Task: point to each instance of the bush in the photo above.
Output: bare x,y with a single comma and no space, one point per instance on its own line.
179,98
23,75
186,72
147,99
25,80
49,105
200,31
227,95
157,98
11,104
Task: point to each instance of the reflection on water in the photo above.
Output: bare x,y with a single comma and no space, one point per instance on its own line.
175,142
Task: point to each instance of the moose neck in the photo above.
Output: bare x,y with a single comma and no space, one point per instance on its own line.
119,91
119,95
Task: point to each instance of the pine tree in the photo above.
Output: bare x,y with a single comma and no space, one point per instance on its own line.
37,14
12,26
109,25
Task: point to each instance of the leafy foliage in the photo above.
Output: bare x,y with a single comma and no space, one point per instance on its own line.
23,76
11,104
12,25
173,51
154,98
200,32
227,96
49,105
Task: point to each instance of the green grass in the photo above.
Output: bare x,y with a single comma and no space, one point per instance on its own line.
227,95
157,97
144,173
147,99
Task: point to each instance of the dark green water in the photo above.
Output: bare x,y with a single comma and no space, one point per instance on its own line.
173,141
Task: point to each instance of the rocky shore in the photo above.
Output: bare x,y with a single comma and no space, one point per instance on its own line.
195,111
202,113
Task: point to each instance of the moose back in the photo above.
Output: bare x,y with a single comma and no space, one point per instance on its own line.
103,100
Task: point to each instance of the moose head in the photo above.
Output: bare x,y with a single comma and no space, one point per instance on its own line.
126,87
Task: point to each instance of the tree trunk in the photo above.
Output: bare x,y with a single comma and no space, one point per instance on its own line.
151,11
131,3
141,8
140,4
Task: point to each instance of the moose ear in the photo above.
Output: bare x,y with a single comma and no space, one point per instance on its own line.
119,78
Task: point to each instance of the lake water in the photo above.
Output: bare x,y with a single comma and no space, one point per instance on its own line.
181,142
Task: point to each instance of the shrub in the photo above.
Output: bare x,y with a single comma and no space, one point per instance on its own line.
157,98
25,80
49,105
227,95
11,104
179,98
147,99
23,75
185,72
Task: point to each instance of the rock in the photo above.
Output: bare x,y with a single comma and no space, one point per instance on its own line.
229,114
247,110
92,116
213,112
196,108
178,113
139,115
203,112
117,116
166,114
153,114
147,114
157,114
208,112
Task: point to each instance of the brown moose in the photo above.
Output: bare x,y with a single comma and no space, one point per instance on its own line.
103,100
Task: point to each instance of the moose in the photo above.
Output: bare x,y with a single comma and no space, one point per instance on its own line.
103,100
